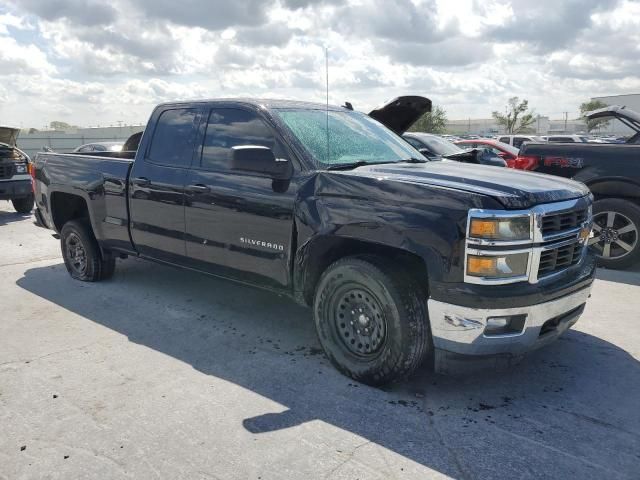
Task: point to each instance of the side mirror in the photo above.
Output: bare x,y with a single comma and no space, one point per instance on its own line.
259,159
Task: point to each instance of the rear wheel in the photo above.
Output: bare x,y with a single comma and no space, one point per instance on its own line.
23,205
616,229
81,253
371,320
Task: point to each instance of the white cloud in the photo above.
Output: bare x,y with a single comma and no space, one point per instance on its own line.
84,59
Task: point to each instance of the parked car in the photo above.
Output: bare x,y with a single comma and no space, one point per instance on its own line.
505,151
435,147
566,138
612,172
99,147
400,258
518,140
15,168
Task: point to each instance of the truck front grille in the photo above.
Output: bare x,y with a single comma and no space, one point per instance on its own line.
554,224
557,259
6,171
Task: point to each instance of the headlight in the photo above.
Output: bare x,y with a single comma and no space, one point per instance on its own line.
498,266
505,229
21,168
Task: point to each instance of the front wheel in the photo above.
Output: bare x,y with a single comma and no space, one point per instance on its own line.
371,319
81,253
616,226
23,205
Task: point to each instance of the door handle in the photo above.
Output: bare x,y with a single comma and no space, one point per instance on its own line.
199,188
142,181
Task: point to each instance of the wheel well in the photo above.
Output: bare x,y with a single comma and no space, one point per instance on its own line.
65,207
328,250
615,189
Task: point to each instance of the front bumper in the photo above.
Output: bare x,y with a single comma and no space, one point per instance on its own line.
16,187
459,335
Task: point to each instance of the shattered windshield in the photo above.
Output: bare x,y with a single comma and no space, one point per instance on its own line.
351,137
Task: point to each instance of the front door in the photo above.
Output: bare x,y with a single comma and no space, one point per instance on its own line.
239,224
156,186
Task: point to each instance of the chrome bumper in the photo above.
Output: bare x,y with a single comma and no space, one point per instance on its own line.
460,330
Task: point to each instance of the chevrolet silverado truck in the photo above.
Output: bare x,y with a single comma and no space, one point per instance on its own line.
15,179
399,258
612,173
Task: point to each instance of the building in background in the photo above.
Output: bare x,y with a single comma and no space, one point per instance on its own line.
631,101
488,126
64,141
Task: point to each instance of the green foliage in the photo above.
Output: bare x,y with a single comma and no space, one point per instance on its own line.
57,125
593,105
518,118
434,121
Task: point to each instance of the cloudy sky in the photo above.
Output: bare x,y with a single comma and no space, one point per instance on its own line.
91,62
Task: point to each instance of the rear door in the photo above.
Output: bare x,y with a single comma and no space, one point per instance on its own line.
157,185
239,224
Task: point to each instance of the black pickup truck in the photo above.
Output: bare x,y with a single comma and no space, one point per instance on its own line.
612,172
400,258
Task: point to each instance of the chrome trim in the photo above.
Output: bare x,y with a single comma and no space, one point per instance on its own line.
467,337
535,245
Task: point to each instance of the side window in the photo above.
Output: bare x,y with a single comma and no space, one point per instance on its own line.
88,148
230,127
518,141
414,143
504,140
173,138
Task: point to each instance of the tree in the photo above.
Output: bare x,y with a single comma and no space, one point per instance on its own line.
56,125
434,121
593,105
518,118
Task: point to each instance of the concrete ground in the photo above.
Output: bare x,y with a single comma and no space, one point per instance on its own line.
163,373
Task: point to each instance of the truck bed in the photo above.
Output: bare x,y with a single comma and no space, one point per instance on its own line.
100,180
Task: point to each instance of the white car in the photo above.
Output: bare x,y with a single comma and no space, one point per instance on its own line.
518,140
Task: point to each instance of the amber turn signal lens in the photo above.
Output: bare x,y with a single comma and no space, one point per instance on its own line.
481,266
484,228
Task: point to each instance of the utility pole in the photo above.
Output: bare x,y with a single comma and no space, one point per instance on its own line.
566,117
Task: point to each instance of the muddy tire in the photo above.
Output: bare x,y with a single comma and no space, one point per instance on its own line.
23,205
81,253
371,319
616,229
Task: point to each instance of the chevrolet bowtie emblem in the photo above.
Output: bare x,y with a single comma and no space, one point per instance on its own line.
584,234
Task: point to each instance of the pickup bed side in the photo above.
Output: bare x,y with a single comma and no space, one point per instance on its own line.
612,173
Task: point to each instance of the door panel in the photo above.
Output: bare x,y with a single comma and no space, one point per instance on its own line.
239,224
157,186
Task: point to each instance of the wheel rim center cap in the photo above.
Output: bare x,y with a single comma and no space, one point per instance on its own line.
609,235
363,319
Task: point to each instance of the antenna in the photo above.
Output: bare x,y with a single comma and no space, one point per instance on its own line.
326,61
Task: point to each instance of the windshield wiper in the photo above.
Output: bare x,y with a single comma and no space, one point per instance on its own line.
349,166
413,160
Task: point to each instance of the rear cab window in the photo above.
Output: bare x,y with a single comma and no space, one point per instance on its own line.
173,138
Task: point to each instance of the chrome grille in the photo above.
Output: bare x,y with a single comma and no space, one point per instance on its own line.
557,259
557,223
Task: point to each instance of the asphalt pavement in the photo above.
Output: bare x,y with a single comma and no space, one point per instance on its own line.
164,373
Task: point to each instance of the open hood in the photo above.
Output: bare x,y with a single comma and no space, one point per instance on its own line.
630,118
401,112
9,135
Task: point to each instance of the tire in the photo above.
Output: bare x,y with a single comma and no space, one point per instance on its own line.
81,253
23,205
616,240
384,333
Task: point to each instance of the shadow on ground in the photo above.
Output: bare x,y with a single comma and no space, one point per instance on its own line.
7,217
569,411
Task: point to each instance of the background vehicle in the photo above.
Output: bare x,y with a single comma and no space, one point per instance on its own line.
518,140
612,172
505,151
437,148
15,167
566,138
396,255
99,147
